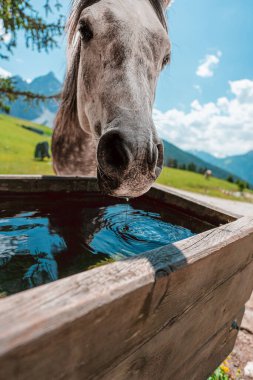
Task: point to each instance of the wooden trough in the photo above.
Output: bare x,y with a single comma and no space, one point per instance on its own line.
171,313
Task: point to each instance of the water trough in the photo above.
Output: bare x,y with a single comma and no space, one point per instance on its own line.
169,313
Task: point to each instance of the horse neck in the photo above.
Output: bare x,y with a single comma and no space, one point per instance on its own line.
74,151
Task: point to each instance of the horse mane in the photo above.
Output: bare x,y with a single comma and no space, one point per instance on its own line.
67,113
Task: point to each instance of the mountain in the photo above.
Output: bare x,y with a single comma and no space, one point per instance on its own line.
42,112
184,158
241,165
205,156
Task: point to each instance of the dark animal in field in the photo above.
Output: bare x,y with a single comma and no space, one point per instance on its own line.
42,151
104,126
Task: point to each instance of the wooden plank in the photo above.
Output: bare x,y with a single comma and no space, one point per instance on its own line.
45,184
211,214
176,342
97,319
205,361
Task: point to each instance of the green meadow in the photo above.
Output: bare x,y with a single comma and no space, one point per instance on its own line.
17,147
197,183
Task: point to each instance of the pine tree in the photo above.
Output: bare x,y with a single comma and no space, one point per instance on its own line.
15,16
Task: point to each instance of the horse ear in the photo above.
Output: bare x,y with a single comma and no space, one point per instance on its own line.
166,3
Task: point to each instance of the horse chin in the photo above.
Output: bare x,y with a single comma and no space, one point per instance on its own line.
124,188
125,192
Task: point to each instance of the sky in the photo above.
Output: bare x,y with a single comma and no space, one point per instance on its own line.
204,99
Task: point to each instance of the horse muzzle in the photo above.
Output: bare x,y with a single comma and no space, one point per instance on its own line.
126,168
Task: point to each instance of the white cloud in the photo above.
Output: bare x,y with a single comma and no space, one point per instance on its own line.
224,127
208,64
4,73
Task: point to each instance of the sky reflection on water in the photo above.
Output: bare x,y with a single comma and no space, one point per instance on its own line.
37,247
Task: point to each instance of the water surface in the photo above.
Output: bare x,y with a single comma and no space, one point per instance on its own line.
46,239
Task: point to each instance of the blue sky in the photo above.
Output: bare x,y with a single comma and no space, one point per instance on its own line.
212,59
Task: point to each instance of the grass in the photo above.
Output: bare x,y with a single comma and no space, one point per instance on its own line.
17,147
226,371
185,180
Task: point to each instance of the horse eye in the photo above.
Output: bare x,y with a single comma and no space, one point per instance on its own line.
85,31
166,60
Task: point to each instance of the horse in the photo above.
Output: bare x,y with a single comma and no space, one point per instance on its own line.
116,51
41,151
208,174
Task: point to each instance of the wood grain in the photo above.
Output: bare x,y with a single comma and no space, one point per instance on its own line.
45,184
88,325
210,214
170,348
211,355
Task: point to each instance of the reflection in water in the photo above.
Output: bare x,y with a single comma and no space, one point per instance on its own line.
40,246
140,232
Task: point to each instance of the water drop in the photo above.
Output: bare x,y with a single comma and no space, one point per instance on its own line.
126,228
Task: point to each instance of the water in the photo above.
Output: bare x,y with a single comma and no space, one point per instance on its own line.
52,239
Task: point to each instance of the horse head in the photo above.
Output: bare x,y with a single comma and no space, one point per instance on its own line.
116,51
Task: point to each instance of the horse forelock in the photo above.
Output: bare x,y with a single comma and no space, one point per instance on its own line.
79,5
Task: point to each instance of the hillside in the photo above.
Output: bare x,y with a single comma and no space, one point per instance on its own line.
182,157
17,147
241,165
185,180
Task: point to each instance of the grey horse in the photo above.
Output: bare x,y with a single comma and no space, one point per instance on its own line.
104,126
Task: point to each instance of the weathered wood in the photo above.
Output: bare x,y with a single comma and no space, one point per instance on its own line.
211,214
211,355
45,184
176,342
86,325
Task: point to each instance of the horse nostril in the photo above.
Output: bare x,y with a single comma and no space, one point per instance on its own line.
113,152
160,155
156,158
152,158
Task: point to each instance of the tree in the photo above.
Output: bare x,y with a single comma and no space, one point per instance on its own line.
17,15
171,163
182,166
230,179
192,167
241,185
